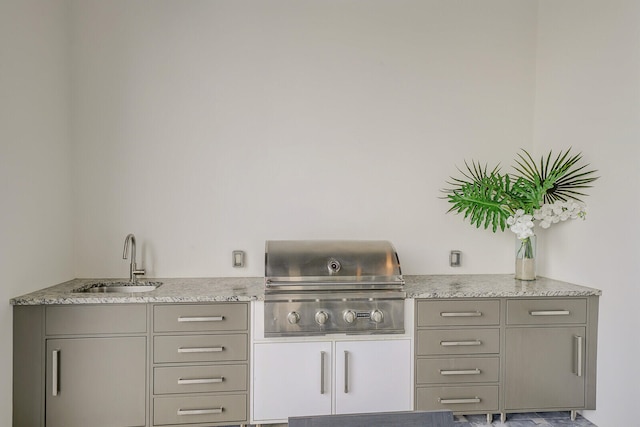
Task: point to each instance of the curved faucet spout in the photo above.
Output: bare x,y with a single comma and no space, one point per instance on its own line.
130,238
133,270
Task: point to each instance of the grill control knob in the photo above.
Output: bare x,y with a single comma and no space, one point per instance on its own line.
349,316
293,317
321,317
377,316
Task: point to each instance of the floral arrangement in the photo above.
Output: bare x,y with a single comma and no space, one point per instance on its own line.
546,192
549,213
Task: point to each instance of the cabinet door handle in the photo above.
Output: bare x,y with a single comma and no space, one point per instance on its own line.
200,319
55,372
200,411
200,349
183,381
460,372
460,343
346,372
579,340
459,401
461,314
322,372
550,313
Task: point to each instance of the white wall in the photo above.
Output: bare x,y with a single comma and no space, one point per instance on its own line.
204,126
35,180
208,126
588,97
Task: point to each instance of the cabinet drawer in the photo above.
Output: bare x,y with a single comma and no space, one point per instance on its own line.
458,313
199,348
200,409
199,379
96,319
458,341
200,317
458,399
457,370
546,311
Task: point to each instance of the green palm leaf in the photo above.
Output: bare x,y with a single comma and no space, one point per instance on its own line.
558,179
488,197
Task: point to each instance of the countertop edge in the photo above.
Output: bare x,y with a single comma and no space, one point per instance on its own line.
246,289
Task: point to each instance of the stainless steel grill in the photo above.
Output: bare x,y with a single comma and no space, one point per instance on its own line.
332,287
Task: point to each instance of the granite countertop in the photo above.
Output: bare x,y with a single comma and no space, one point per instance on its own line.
252,289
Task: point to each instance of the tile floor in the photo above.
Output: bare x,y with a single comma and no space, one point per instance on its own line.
532,419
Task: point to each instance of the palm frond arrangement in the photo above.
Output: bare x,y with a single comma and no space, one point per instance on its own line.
548,191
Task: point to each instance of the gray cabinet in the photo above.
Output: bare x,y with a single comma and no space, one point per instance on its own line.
200,364
543,368
96,381
134,365
550,351
458,355
80,365
506,354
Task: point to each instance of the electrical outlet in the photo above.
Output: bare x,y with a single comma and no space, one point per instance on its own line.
455,258
238,259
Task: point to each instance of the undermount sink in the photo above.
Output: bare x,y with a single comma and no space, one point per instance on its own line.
119,287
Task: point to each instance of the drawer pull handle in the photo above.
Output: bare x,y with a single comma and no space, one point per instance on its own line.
461,314
346,372
200,349
55,372
200,319
182,381
550,313
322,375
460,372
578,355
200,411
459,343
459,401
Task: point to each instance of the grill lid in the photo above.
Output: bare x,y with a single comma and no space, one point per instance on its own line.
335,264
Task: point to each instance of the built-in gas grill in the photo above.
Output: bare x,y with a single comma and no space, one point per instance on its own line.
332,287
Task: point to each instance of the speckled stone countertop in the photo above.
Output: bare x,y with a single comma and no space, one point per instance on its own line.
252,289
491,286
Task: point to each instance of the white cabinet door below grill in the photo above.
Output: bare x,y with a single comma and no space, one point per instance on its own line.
373,376
289,380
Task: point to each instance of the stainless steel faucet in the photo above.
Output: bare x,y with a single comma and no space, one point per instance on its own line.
133,270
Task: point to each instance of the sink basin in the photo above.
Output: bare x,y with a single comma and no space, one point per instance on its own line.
119,287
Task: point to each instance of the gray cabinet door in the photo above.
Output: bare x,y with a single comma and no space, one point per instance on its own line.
98,382
545,368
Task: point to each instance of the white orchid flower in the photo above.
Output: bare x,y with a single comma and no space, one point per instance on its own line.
522,224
